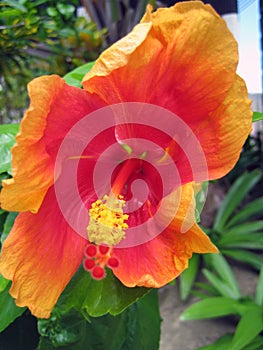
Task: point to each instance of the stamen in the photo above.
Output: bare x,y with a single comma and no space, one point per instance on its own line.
95,264
107,221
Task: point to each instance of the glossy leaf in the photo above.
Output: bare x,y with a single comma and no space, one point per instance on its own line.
75,77
98,298
236,194
188,277
8,310
213,307
250,325
138,327
7,140
257,116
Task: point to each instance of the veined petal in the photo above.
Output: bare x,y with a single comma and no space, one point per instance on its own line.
40,256
157,262
185,63
224,132
54,109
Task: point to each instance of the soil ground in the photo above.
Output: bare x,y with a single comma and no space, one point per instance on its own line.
190,335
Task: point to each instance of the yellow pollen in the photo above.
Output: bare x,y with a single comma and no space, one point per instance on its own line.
107,221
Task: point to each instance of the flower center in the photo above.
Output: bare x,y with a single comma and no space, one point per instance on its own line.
107,221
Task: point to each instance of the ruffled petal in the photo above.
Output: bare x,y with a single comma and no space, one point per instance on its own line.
55,107
186,63
159,261
224,132
40,256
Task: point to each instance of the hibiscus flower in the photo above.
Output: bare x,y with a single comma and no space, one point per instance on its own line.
181,60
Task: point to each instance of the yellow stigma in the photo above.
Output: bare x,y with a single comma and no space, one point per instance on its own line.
106,223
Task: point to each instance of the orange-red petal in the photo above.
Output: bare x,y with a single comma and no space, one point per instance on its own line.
159,261
185,62
40,256
54,109
224,132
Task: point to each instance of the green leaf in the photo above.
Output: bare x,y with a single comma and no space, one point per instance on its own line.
3,283
15,4
250,325
252,209
66,10
222,287
138,327
245,241
7,140
8,310
97,298
52,11
259,288
220,344
236,194
257,116
247,227
213,307
188,277
222,268
256,344
8,225
244,257
200,199
75,77
208,288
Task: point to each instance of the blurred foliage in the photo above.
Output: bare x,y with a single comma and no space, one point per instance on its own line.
118,16
251,158
222,296
36,38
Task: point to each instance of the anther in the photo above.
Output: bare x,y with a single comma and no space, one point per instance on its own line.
107,221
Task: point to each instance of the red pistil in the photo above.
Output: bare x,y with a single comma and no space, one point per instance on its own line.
96,258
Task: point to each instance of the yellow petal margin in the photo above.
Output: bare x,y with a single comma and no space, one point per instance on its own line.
31,168
175,57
